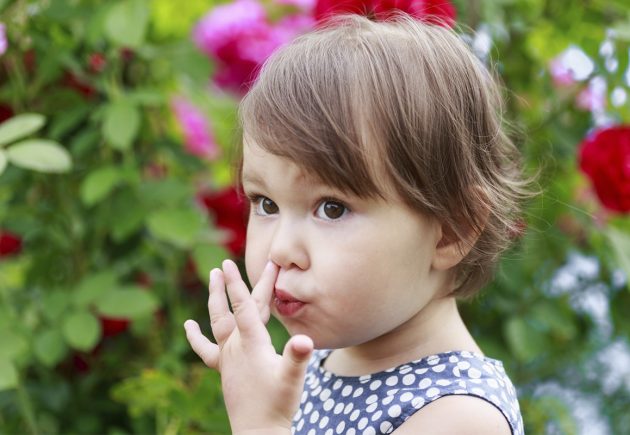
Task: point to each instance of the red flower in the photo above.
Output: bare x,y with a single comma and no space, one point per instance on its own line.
97,62
74,82
113,326
5,112
230,214
605,159
433,11
10,244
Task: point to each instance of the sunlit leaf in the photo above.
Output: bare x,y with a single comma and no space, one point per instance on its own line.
50,347
20,126
98,184
207,257
126,23
8,374
126,303
121,124
40,155
179,227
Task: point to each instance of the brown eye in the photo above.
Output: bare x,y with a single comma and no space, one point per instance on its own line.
331,210
268,206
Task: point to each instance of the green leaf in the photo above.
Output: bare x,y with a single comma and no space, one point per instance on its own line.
126,303
207,257
12,345
121,124
20,126
8,375
98,184
40,155
620,242
127,215
94,286
3,161
50,348
126,23
81,330
525,342
179,227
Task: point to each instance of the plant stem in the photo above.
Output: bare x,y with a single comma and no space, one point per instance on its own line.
26,408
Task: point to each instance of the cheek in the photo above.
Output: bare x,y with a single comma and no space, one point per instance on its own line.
255,256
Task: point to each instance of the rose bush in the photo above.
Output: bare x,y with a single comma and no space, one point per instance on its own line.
101,262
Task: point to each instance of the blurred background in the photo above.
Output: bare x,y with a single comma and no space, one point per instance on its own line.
117,136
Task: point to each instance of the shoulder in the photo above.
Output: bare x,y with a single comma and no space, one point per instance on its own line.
457,414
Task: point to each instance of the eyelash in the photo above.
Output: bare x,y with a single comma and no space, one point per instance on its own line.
255,199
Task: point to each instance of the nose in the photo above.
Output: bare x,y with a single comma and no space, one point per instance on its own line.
288,245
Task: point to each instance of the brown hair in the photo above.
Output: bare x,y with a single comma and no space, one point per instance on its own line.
356,97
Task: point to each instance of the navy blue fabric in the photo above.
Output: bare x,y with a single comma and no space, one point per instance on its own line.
379,403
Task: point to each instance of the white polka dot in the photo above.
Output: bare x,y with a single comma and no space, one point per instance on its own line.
328,405
463,365
316,391
433,360
432,392
355,415
456,372
372,407
338,408
369,431
347,390
329,432
362,423
377,415
406,397
453,359
394,411
388,400
304,396
323,422
365,378
404,369
478,391
308,407
493,383
439,368
386,427
373,398
325,394
474,373
422,371
417,402
358,392
338,383
348,408
391,381
312,432
424,383
298,415
340,427
408,379
443,382
314,416
351,431
300,425
392,391
375,384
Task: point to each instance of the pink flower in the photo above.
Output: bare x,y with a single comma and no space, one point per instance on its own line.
305,5
198,136
3,39
593,97
561,75
240,37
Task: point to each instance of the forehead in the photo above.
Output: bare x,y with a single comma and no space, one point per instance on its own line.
258,163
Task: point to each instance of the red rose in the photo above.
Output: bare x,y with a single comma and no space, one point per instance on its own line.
74,82
433,11
230,213
112,326
605,159
97,62
5,112
10,244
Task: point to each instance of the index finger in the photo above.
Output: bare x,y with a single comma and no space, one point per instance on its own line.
243,305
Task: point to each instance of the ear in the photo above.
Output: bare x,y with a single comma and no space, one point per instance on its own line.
451,248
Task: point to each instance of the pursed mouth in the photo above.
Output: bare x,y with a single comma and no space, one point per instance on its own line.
285,304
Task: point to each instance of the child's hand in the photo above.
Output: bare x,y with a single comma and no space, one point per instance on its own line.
261,389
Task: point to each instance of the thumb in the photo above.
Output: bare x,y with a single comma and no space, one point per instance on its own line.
295,356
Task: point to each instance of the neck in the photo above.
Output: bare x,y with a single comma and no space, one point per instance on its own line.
437,328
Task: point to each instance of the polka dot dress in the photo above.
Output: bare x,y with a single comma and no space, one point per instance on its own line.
379,403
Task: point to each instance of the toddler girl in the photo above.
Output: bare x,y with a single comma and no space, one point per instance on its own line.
382,188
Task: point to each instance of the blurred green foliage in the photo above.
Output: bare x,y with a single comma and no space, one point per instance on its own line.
110,239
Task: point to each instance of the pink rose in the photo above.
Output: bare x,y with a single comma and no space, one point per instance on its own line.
239,37
3,39
605,158
198,136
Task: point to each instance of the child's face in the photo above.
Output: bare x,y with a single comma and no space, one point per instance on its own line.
351,269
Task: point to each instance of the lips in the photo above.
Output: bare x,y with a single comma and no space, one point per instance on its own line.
286,304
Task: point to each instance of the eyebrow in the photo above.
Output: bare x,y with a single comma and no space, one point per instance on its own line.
253,179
